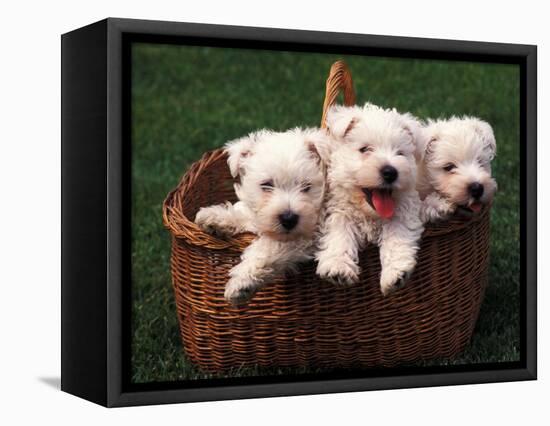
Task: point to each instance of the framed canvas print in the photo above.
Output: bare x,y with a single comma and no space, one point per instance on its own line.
253,212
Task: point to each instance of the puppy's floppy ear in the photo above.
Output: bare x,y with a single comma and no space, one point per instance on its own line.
341,120
413,127
312,148
319,144
238,150
485,132
427,137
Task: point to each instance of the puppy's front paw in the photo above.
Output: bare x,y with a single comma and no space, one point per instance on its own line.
393,280
338,271
239,291
206,219
431,214
435,209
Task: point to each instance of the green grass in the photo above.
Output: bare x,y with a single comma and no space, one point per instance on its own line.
187,100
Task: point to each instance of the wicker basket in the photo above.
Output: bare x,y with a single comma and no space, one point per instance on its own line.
299,320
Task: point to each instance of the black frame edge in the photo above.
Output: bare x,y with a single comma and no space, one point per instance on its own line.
318,387
325,38
530,190
115,227
83,219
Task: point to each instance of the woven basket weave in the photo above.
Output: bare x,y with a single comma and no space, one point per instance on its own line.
299,320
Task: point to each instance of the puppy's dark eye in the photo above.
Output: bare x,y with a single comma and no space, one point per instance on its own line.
400,153
306,187
267,186
365,149
449,167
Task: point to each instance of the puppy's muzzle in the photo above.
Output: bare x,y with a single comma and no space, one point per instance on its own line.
475,189
289,220
389,174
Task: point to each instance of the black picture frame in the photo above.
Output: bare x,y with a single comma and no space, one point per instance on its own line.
95,210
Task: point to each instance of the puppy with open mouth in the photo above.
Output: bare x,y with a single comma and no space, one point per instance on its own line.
454,169
372,197
281,191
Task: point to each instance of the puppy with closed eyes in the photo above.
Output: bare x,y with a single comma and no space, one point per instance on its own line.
280,194
372,195
454,170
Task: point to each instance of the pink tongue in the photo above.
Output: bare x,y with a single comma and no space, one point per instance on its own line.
476,207
383,203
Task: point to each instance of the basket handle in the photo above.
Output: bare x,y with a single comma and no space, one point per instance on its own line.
339,79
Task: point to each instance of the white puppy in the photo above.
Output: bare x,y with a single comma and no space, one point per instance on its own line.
454,169
280,196
371,194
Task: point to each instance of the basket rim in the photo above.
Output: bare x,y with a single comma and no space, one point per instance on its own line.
183,228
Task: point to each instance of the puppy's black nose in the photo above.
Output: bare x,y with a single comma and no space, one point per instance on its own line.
289,220
389,174
475,189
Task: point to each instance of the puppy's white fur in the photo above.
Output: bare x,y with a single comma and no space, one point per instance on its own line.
454,154
362,140
279,173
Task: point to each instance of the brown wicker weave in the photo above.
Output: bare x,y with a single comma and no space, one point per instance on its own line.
299,320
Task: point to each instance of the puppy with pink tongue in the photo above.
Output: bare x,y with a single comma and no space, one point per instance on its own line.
372,198
383,203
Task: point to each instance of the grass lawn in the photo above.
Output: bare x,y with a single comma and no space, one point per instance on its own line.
187,100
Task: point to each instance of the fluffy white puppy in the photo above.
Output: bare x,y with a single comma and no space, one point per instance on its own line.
454,170
371,194
280,196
